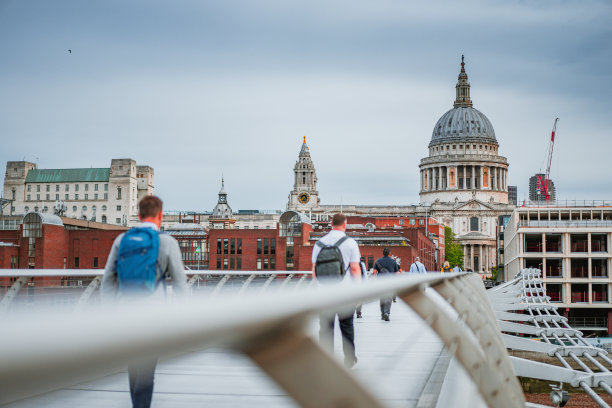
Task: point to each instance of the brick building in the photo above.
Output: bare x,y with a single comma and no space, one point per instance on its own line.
289,246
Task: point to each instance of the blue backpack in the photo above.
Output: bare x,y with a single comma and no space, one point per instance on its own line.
137,261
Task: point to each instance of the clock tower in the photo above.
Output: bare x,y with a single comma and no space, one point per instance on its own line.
304,196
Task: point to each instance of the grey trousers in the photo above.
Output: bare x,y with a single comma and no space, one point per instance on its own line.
385,306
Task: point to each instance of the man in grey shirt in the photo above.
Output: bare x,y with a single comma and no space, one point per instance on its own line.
169,264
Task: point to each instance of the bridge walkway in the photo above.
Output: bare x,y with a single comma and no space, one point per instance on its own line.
396,359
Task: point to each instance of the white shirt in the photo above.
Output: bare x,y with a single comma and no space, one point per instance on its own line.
417,267
349,250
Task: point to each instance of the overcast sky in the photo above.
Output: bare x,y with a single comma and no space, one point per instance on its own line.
200,88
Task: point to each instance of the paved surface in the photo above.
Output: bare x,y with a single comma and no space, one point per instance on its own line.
396,359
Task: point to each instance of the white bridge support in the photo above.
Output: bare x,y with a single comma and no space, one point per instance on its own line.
555,338
47,351
12,292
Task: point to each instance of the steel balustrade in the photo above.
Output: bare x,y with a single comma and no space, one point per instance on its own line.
550,334
50,350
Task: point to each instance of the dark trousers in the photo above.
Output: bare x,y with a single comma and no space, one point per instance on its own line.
326,334
141,383
385,306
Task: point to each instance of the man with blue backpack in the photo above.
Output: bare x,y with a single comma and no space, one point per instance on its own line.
335,259
385,266
139,262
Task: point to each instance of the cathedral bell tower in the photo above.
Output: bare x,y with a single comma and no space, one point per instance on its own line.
304,196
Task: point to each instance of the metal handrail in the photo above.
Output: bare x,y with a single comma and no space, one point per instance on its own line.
46,350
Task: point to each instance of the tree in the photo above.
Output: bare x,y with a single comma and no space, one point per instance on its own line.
454,252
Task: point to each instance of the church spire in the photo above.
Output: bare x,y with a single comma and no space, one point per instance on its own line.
305,148
462,99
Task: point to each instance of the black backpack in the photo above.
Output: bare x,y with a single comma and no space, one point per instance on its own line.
382,270
330,265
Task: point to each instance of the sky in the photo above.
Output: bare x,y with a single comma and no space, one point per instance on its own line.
201,89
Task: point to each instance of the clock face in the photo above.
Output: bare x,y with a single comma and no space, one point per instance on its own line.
304,198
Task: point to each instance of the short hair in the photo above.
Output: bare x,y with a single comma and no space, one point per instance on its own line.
386,251
338,220
417,259
149,206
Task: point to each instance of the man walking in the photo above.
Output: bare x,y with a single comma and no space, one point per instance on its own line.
385,266
138,264
364,276
417,266
350,255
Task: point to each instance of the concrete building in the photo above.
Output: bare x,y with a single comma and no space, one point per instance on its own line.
535,188
512,195
571,245
107,195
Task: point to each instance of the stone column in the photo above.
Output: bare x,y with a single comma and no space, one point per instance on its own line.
440,186
429,179
473,183
472,256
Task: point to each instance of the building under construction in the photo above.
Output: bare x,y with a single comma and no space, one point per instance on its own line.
535,188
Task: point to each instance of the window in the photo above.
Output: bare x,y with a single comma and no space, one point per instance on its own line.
218,263
266,263
266,247
87,196
219,245
95,262
104,219
239,263
48,187
106,187
47,197
599,243
599,268
421,222
66,196
474,224
76,187
579,242
258,264
239,246
232,247
57,197
579,268
554,291
118,193
29,187
258,247
29,198
401,221
84,208
118,220
76,261
74,208
36,209
412,222
104,208
225,246
57,187
38,188
118,208
27,208
225,263
95,187
273,246
106,196
86,187
600,293
94,208
67,187
95,196
76,196
533,242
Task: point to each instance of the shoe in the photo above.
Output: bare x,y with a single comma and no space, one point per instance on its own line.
350,364
359,315
386,317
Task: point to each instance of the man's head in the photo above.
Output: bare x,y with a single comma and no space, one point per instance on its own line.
339,222
150,210
385,251
417,259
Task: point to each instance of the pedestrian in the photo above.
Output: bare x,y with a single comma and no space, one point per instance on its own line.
446,267
364,276
348,259
385,266
417,266
138,264
457,268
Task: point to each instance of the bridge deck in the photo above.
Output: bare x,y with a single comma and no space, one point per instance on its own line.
395,361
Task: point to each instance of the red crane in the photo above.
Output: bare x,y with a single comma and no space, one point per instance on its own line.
544,183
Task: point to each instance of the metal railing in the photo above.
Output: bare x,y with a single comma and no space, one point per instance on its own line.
565,223
540,330
45,350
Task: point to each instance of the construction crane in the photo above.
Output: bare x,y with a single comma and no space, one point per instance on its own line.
544,183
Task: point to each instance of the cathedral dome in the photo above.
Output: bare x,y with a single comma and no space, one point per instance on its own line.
463,123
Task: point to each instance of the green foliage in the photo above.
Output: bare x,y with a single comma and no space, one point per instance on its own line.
494,271
454,251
